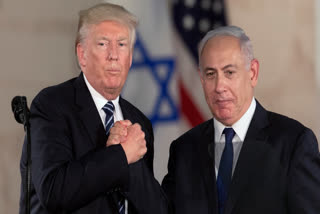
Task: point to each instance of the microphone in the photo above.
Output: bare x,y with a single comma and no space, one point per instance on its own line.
18,105
21,114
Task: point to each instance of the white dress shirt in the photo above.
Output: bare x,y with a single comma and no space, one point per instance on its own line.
240,128
100,101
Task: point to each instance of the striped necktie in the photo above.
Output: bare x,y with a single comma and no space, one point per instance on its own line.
108,108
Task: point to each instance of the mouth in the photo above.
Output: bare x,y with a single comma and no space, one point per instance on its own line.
223,102
113,68
113,71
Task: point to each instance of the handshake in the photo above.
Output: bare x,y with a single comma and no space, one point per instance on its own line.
130,137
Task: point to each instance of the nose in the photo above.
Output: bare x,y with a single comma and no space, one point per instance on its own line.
113,52
220,84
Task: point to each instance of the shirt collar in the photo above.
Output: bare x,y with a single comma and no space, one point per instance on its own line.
240,127
98,99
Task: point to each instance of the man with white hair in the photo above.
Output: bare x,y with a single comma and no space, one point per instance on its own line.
245,160
80,164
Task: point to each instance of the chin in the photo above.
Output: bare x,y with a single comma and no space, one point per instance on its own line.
224,118
112,84
113,87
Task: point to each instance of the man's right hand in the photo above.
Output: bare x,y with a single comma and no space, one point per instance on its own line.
135,143
118,133
130,137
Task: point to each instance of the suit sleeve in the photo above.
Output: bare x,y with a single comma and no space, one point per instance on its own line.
61,181
168,183
144,191
304,176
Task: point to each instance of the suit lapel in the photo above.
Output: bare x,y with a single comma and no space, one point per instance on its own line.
127,111
124,108
253,148
206,156
88,113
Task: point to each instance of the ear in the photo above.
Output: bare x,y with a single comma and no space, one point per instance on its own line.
200,75
131,53
81,55
254,72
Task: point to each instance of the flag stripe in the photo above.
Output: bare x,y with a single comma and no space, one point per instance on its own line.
192,20
188,108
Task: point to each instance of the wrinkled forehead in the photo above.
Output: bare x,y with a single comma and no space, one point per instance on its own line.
220,51
221,43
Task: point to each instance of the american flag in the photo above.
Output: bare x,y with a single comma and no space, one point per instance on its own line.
192,20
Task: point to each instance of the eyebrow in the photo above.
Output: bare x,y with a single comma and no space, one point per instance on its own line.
229,66
210,69
103,38
123,39
223,68
120,39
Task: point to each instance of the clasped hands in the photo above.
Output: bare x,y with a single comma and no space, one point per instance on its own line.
130,137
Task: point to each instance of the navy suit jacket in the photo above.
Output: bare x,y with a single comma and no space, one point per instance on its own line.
72,169
278,170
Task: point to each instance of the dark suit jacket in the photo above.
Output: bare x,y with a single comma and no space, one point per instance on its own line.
72,169
278,170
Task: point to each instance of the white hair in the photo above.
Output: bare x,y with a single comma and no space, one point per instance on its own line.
245,42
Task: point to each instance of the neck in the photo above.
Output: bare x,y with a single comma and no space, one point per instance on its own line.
110,94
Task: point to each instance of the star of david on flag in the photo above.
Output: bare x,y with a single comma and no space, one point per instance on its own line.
163,81
160,71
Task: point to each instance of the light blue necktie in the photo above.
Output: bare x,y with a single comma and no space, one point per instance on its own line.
225,170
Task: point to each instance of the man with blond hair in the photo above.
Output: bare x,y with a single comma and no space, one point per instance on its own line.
80,162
